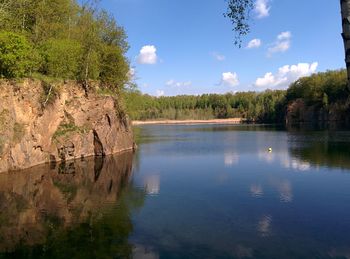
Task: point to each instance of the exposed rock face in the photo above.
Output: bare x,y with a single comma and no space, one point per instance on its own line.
298,112
70,125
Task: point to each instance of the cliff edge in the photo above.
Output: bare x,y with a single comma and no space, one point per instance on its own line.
41,124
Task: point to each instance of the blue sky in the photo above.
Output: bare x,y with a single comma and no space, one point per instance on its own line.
186,46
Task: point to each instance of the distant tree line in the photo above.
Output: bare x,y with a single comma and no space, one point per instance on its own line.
265,106
62,39
321,90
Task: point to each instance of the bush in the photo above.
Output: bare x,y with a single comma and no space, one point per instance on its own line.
114,67
61,58
17,56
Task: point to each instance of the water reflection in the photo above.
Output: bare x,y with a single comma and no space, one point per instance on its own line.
284,188
142,252
223,195
231,158
332,153
77,209
264,225
256,190
152,184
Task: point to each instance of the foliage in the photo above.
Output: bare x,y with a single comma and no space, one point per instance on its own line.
73,41
67,128
114,68
50,93
61,58
17,56
320,89
238,12
266,106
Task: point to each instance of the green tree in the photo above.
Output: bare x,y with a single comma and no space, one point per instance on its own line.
17,56
61,58
114,68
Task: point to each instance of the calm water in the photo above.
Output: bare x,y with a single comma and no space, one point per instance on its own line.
199,191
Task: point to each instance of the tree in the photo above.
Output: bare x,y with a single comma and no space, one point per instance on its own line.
238,12
345,15
17,56
114,68
61,58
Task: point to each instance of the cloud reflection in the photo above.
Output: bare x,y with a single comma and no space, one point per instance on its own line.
285,160
256,190
264,225
266,156
152,184
285,190
231,158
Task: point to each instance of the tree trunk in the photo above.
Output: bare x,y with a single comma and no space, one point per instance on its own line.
345,15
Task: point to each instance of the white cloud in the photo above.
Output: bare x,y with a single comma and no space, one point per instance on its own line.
160,93
286,75
174,83
255,43
282,43
218,56
286,35
262,8
230,79
148,55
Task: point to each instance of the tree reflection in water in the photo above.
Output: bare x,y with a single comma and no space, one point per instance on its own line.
325,148
76,209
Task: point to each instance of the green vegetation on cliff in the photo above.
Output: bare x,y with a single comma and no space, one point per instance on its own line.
62,39
320,90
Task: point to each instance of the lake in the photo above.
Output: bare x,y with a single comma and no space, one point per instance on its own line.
194,191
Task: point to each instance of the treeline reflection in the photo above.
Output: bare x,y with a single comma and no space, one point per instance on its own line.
327,148
76,209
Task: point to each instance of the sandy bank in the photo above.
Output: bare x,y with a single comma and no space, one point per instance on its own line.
188,122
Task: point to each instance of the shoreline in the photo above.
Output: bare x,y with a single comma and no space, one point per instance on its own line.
189,122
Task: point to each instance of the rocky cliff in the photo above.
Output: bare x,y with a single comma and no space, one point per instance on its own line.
41,123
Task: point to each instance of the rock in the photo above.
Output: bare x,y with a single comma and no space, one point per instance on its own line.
70,125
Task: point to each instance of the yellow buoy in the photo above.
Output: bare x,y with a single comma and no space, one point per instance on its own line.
270,149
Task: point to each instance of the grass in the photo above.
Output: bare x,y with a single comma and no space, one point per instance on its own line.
106,92
65,129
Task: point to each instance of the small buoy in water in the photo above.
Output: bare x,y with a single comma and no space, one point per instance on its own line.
270,149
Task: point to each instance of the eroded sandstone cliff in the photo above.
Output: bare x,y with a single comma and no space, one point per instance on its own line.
38,126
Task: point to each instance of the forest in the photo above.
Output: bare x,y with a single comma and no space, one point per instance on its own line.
320,90
62,39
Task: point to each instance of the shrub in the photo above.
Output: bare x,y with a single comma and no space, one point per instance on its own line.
17,56
61,58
